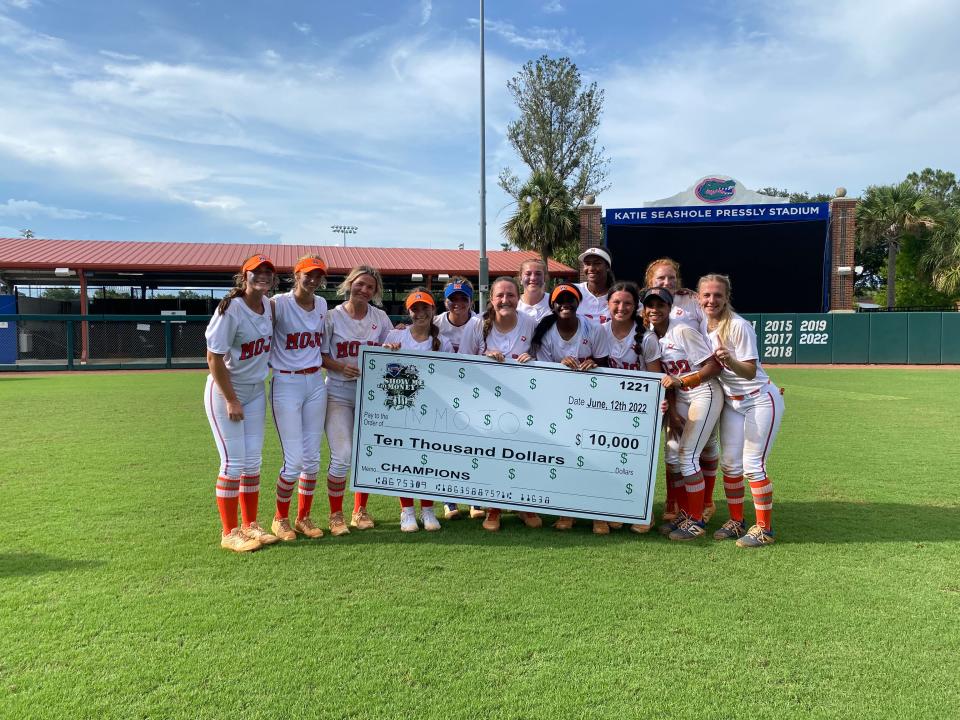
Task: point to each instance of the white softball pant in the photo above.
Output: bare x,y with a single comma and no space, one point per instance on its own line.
239,442
299,405
339,427
701,408
748,428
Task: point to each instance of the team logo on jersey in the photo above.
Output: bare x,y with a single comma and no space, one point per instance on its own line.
715,190
401,383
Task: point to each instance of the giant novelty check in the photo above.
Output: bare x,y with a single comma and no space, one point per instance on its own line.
533,437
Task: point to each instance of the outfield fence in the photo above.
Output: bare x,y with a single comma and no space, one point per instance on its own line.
108,342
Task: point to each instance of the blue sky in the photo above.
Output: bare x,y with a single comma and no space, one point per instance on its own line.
268,122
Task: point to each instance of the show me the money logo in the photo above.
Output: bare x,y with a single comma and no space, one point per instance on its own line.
401,383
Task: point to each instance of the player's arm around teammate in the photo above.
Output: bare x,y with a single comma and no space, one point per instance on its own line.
298,397
500,333
697,399
421,335
752,412
355,322
576,343
238,344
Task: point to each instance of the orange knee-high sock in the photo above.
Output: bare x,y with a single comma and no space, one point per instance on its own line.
227,491
680,492
709,470
694,491
426,504
493,513
673,489
249,497
360,500
284,495
335,488
305,492
762,491
406,503
733,489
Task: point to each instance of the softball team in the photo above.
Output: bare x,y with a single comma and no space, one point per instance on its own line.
715,384
424,336
356,321
576,343
239,337
298,397
752,412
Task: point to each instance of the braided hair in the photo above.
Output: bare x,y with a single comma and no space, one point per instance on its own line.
634,291
238,289
543,327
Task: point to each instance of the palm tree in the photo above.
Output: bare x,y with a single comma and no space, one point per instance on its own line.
545,220
942,256
886,214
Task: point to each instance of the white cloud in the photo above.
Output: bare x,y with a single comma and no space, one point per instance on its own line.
120,56
553,6
302,28
30,209
561,40
426,9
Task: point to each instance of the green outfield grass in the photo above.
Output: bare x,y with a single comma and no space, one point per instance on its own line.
117,602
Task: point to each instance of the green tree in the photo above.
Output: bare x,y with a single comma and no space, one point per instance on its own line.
796,197
940,185
942,256
544,220
556,132
61,293
886,215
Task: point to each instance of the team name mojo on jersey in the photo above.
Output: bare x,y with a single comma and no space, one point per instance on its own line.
301,340
352,348
254,348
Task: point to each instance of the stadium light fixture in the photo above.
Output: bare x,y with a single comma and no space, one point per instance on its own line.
63,272
345,230
443,277
416,277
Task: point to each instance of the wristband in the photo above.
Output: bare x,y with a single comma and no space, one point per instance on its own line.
694,379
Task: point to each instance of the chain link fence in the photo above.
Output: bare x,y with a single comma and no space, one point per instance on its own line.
75,342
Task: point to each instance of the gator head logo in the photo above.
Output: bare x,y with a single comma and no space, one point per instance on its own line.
715,190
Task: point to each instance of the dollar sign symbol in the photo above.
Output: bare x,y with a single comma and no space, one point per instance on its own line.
553,428
636,422
456,403
369,394
579,460
593,382
578,438
462,374
372,364
423,459
423,410
569,413
486,419
623,458
476,393
496,391
369,451
512,474
529,420
553,473
629,489
475,463
533,383
430,368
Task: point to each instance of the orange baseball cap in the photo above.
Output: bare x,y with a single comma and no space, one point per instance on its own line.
419,296
255,261
308,264
568,289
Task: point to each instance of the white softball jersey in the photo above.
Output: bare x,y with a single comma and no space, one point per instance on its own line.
537,311
743,343
243,337
588,341
344,336
450,332
683,350
298,333
593,307
405,339
512,344
623,353
686,309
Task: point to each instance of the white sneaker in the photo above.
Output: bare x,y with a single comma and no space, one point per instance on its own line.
408,520
429,520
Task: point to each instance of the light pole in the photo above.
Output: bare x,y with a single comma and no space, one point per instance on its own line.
484,278
344,230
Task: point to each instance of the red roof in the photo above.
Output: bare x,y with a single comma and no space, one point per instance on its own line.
43,254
